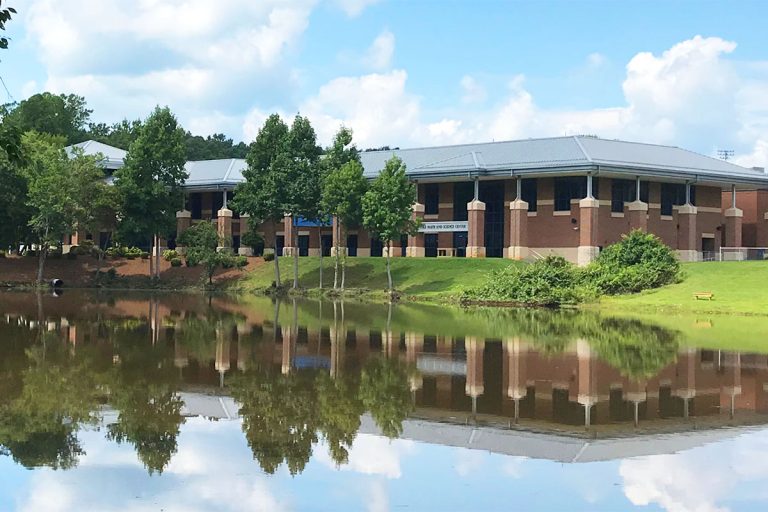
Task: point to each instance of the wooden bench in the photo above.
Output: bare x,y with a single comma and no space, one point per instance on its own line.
703,295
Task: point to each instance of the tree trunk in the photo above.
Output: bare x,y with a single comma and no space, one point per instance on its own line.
295,261
277,262
151,259
42,251
344,266
157,257
321,260
389,269
336,237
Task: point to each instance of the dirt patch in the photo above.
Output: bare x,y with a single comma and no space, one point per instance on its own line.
81,272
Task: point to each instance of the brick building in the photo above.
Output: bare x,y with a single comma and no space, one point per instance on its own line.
523,199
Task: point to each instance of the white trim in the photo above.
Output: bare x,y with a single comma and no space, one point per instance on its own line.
667,217
564,213
532,214
617,215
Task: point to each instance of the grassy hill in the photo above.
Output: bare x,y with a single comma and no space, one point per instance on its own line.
738,287
423,277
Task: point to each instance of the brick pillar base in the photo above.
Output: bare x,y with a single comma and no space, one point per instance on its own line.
518,230
224,225
733,220
686,238
588,249
637,212
476,229
415,247
288,227
244,229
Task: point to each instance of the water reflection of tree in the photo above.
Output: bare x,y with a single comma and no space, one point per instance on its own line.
53,394
385,393
143,388
339,411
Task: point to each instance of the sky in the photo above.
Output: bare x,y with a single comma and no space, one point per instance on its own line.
411,72
214,470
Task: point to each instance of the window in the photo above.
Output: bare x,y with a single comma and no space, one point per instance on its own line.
430,245
431,199
463,193
624,191
529,191
673,194
218,202
569,188
196,206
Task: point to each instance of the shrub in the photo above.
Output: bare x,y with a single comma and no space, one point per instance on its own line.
551,281
72,255
2,254
269,256
640,261
170,254
86,246
241,261
252,239
112,273
144,255
176,262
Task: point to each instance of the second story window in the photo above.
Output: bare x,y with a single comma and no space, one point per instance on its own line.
572,187
431,199
673,194
529,193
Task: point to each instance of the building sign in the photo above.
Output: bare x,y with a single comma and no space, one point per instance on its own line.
444,227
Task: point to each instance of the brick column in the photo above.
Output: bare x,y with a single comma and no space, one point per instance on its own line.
588,234
637,211
224,225
686,238
475,384
414,345
288,228
415,247
733,220
587,383
244,228
476,229
183,223
518,230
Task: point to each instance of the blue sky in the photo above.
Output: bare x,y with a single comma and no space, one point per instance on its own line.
214,470
408,73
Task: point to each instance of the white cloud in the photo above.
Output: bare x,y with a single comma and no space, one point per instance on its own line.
474,92
354,8
595,60
379,54
370,455
378,500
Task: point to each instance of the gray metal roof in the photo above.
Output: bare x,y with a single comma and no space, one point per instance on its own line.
225,173
113,157
562,155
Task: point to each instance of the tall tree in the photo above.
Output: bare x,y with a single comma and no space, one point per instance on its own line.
304,173
66,115
120,135
267,180
150,182
387,208
340,194
14,212
213,147
200,243
60,190
343,190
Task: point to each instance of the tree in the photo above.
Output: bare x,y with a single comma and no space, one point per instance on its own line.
385,393
102,214
267,181
342,191
304,190
150,181
213,147
387,207
59,190
5,16
200,242
14,212
66,115
120,135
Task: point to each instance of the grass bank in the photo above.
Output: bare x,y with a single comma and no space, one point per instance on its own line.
427,278
738,288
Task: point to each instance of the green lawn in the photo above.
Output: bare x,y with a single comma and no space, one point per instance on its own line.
425,277
738,287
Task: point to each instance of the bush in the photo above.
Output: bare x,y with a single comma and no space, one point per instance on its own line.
252,239
72,255
112,273
176,262
85,247
551,281
640,261
170,254
241,261
2,254
144,255
269,256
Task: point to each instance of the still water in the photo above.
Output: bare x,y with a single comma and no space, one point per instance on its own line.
181,402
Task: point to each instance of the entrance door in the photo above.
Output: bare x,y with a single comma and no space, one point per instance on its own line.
492,194
303,245
708,249
377,247
280,245
352,245
460,243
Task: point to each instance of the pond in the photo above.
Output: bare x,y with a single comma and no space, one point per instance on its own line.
138,401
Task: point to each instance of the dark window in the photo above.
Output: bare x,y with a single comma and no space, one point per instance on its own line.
570,188
460,243
230,196
326,242
431,199
303,245
529,193
430,245
280,245
352,245
218,202
463,192
377,247
625,191
196,206
492,194
403,245
673,194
